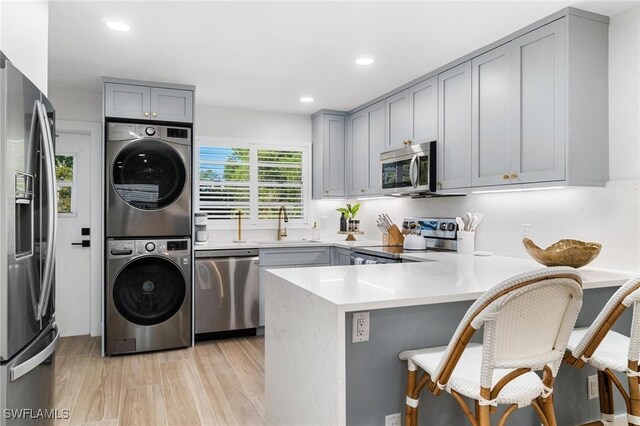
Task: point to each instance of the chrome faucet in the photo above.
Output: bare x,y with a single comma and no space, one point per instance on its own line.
282,232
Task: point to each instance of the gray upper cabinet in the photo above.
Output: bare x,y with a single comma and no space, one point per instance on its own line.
127,101
397,132
492,116
423,111
144,102
328,134
365,142
453,151
519,110
172,104
538,151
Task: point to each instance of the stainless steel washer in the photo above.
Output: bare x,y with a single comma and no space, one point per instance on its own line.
148,295
148,180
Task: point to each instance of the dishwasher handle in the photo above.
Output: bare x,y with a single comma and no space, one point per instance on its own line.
226,253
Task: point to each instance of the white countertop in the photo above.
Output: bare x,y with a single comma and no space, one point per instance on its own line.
439,278
227,245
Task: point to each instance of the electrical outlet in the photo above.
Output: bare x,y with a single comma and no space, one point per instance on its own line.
525,229
360,327
592,387
392,420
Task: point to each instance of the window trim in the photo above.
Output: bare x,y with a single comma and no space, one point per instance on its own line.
249,223
68,184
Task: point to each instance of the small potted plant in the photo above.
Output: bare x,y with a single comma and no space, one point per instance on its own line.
350,213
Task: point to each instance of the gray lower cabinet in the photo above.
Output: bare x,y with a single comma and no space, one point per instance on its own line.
519,93
340,256
454,128
145,102
365,142
423,111
289,257
328,147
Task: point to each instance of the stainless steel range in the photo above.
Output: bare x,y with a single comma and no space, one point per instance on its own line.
440,234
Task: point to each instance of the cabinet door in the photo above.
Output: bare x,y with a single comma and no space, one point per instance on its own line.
397,120
333,147
365,142
454,127
377,126
423,111
127,101
358,154
172,105
540,79
492,100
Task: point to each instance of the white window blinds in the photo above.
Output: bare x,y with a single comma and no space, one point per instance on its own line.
255,178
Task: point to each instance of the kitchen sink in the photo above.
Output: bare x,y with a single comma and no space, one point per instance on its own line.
285,242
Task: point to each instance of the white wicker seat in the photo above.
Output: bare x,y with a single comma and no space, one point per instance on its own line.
610,351
526,323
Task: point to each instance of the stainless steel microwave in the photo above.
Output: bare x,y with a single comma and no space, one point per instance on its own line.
409,171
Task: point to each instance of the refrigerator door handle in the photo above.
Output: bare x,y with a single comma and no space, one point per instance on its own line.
24,368
49,155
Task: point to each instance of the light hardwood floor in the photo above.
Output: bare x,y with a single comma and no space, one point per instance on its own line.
214,383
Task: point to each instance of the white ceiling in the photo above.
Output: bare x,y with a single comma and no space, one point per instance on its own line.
265,55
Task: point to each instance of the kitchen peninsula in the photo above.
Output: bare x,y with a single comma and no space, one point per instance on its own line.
316,375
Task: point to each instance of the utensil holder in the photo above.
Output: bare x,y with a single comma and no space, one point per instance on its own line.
466,242
395,236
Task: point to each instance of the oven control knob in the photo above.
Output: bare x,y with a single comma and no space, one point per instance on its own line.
150,131
150,247
451,226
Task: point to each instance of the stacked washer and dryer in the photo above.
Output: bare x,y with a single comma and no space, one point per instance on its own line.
148,282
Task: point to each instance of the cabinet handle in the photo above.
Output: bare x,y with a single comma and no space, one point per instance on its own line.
155,114
439,185
326,192
146,114
362,190
409,141
514,176
505,177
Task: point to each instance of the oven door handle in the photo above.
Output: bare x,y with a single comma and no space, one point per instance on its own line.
413,171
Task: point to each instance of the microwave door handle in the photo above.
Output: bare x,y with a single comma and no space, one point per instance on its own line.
49,156
413,171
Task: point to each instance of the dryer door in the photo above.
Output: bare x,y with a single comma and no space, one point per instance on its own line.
149,290
149,174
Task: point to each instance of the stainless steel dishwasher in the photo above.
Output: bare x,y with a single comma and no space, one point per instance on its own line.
227,290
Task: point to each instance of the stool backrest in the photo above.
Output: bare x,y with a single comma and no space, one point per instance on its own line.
625,296
527,321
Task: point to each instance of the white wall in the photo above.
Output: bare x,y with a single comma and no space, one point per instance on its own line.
608,215
24,35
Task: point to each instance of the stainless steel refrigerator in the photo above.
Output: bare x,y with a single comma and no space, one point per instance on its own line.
28,332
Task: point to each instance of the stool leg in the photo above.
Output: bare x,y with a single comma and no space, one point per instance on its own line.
483,412
546,404
410,411
605,393
634,395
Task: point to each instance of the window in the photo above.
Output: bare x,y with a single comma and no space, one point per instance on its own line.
255,178
65,177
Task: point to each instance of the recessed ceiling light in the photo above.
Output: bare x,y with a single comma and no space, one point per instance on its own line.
118,26
365,60
306,99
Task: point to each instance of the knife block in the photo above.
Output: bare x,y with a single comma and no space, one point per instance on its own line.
395,236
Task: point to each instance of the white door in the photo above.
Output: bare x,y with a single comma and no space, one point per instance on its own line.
75,281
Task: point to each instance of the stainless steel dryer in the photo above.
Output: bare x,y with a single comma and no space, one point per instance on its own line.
148,295
148,180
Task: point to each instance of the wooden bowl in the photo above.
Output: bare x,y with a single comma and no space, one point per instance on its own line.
572,253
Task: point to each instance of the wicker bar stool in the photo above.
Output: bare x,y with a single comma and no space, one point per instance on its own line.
609,352
527,320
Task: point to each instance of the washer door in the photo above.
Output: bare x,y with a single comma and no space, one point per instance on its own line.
149,290
148,174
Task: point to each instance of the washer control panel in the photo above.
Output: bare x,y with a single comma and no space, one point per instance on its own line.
122,248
